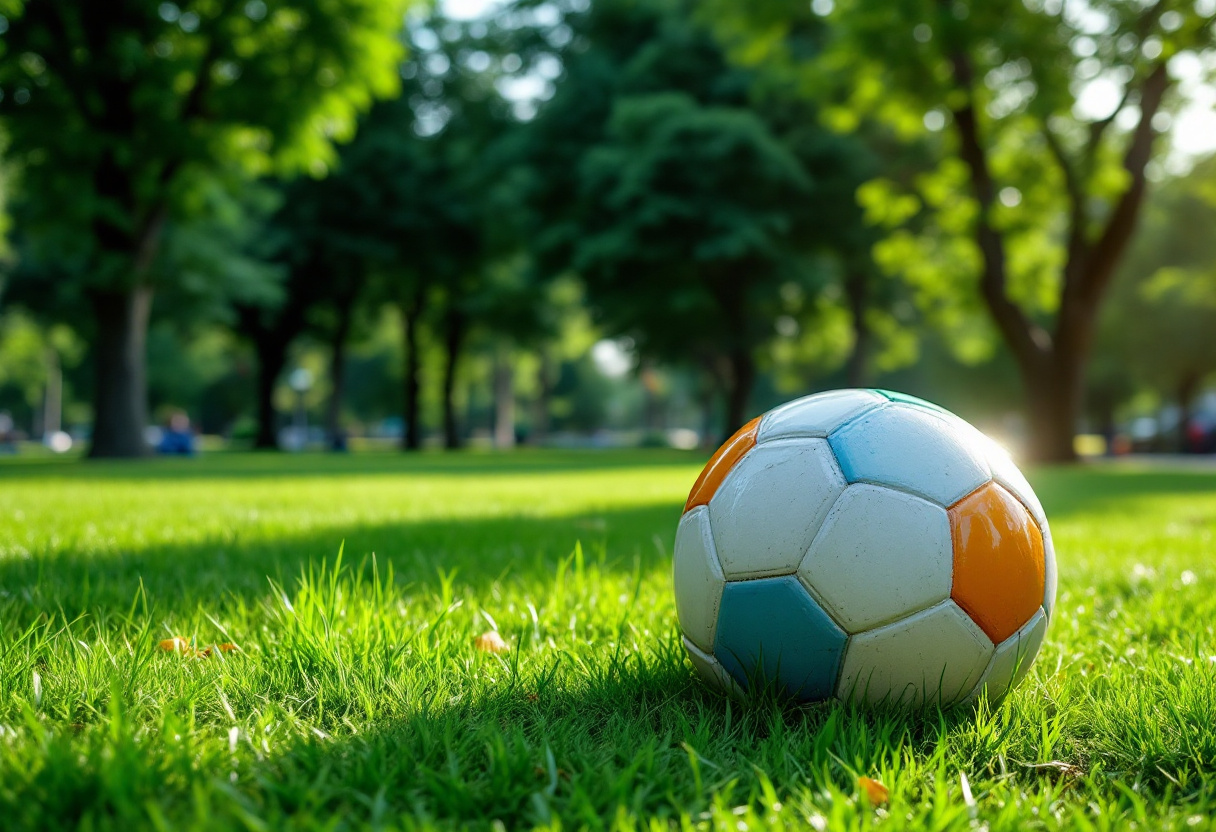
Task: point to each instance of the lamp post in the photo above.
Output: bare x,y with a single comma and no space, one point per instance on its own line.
300,381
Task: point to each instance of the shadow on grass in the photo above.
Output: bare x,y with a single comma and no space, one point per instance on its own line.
643,737
479,551
639,735
231,571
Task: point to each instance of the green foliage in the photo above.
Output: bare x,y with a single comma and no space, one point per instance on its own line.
692,226
702,194
1037,182
1028,63
217,259
26,349
121,120
200,373
357,696
1159,332
116,115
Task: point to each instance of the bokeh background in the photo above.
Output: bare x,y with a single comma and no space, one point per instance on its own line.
383,224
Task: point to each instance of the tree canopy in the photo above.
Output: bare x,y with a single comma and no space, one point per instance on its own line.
1045,116
699,199
118,116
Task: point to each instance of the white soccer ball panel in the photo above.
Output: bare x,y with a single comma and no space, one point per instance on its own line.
816,415
880,556
936,655
698,578
768,509
711,670
1013,659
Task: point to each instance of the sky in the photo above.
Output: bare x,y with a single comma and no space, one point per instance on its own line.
1192,132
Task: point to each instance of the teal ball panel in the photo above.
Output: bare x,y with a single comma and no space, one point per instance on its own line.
772,629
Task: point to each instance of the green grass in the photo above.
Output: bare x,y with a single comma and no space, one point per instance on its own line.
357,699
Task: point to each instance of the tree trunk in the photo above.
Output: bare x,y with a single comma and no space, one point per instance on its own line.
742,377
337,378
1053,403
453,342
857,288
411,313
272,357
120,399
504,399
1188,386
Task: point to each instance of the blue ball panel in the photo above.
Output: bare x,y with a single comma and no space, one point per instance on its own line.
775,622
912,449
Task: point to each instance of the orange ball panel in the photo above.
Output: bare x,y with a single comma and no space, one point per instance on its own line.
998,560
721,462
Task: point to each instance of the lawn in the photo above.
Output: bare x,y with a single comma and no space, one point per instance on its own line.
355,587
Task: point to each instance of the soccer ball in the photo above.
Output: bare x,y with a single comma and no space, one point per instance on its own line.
866,545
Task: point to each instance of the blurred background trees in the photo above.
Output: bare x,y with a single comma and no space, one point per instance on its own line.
604,220
120,117
1044,185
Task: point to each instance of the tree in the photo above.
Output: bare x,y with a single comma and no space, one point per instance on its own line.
464,254
117,113
1039,189
1158,332
694,227
334,236
696,212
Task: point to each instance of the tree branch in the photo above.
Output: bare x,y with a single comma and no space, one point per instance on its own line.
1097,129
1027,339
151,225
1122,221
1078,216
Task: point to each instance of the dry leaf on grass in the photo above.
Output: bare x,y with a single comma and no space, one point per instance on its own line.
182,646
491,642
226,647
874,791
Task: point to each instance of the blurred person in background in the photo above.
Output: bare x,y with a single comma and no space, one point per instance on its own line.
177,438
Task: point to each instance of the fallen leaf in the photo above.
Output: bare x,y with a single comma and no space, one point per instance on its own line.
177,644
874,791
491,642
226,647
182,646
